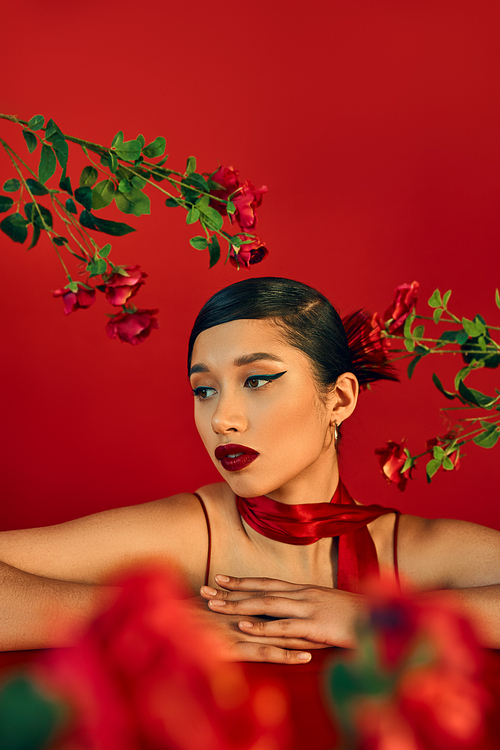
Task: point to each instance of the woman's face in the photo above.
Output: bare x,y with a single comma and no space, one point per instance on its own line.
258,411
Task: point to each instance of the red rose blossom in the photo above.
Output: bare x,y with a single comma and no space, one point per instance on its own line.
405,299
119,289
134,327
83,298
248,254
246,202
392,459
147,676
227,178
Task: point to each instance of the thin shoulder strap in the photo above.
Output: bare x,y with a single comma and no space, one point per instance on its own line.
395,548
209,553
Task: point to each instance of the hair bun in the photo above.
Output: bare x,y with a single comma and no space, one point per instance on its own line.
368,348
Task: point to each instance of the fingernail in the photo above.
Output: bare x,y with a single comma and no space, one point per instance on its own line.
209,591
217,602
223,579
303,656
245,624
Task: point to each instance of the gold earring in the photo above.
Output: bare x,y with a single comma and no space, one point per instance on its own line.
335,433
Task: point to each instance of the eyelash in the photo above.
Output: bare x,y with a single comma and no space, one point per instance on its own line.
268,378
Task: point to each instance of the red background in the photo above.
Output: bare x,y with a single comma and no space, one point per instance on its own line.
375,127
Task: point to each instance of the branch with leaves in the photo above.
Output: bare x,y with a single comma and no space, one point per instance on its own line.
474,417
123,173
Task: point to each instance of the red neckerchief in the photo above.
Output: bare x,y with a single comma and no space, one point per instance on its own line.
309,522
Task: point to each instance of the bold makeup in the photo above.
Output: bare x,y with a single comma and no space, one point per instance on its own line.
234,457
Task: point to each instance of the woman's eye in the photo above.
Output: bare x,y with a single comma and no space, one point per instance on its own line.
256,382
203,392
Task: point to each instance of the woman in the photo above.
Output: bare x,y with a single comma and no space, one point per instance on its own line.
273,379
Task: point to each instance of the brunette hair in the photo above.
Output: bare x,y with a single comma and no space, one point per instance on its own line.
308,321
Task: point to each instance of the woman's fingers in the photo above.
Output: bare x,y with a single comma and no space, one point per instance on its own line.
256,584
290,628
271,606
248,651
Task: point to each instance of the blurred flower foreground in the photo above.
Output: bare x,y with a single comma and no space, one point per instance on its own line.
143,677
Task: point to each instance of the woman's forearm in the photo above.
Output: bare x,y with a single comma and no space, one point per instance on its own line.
37,612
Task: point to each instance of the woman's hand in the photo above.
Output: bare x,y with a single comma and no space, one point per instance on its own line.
315,615
236,645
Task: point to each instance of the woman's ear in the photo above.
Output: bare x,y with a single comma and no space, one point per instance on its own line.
343,398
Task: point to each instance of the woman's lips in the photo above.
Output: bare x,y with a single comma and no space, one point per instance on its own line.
234,457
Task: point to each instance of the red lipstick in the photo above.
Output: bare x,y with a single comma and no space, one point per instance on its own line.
234,457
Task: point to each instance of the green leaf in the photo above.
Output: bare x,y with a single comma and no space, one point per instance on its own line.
96,267
438,453
102,195
6,203
214,250
105,251
408,324
124,186
113,162
60,241
35,237
15,226
47,165
437,314
138,182
65,184
488,438
70,206
61,150
461,337
497,298
52,130
480,324
199,182
155,148
192,216
134,202
36,122
117,140
418,332
448,464
461,374
435,299
162,161
476,397
440,387
28,718
31,140
408,464
410,345
12,185
114,228
88,176
36,188
432,467
129,150
211,217
72,286
199,243
446,297
174,202
230,207
33,211
470,328
141,140
412,365
84,196
190,165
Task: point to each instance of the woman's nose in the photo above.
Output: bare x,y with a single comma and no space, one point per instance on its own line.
228,416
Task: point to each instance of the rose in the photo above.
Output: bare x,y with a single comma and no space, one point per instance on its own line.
133,327
119,289
392,459
227,178
146,676
75,300
246,201
249,254
405,299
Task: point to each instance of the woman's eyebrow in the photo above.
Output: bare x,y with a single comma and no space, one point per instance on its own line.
245,359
